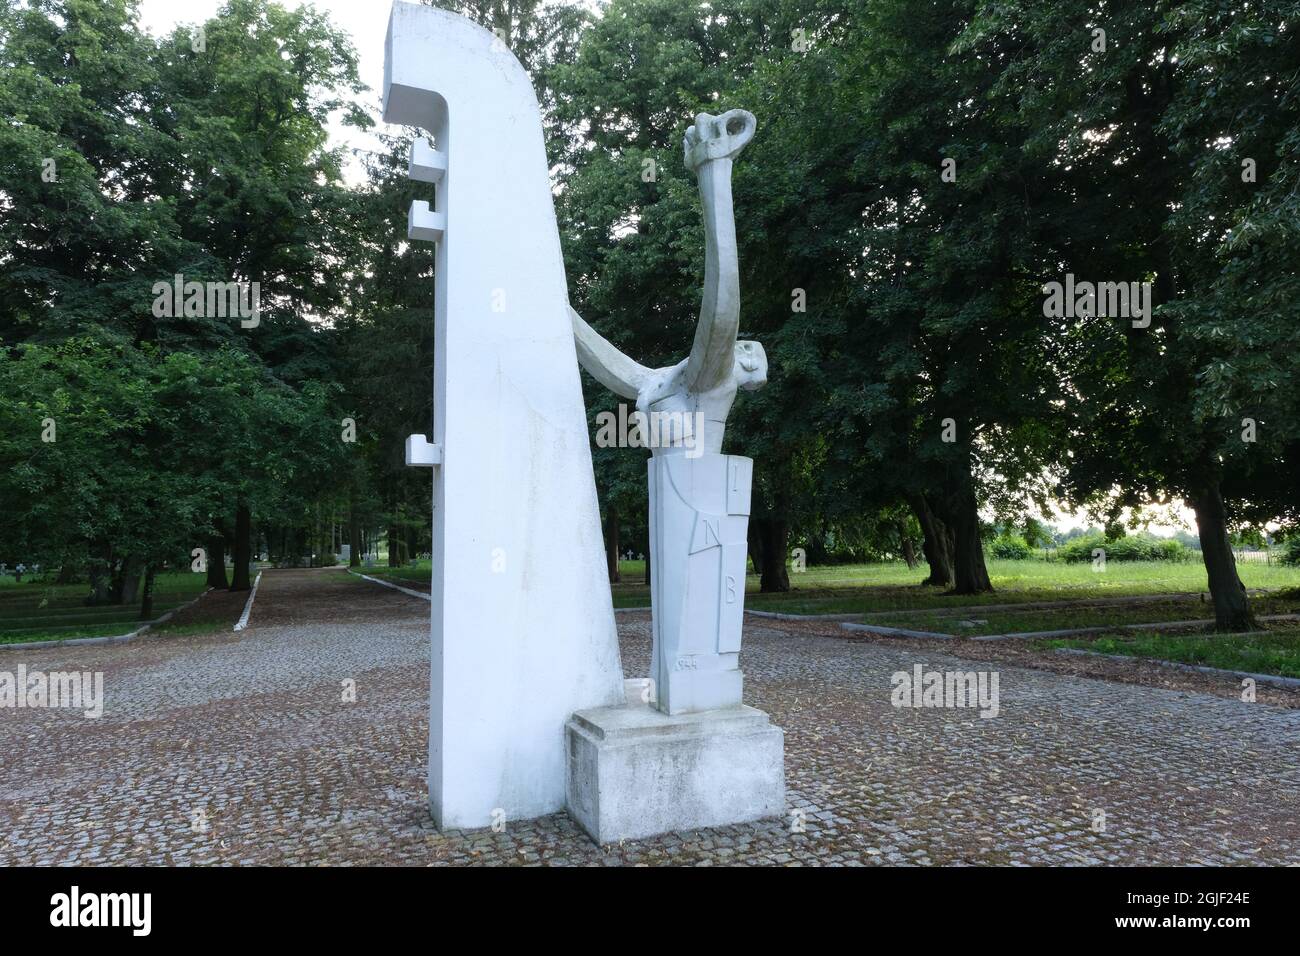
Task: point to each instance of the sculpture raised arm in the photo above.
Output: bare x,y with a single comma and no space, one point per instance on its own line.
703,385
710,146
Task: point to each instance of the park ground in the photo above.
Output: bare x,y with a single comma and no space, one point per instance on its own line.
1031,597
1047,609
1153,610
239,748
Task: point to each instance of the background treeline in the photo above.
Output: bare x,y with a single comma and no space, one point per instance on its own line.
126,159
916,383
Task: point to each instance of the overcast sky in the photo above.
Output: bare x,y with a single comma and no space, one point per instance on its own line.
365,20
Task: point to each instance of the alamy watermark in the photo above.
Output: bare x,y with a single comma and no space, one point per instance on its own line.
1124,300
923,688
638,429
130,910
75,690
210,300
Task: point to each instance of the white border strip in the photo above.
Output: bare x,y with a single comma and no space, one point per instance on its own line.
395,587
782,616
896,631
248,605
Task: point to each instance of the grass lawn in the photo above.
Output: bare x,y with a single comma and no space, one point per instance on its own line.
38,634
891,586
201,625
43,611
1015,622
1272,651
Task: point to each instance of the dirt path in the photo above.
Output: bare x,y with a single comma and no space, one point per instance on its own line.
301,596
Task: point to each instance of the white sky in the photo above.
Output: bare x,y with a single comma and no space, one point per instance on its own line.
365,20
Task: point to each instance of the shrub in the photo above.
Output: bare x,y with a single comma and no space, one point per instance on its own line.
1291,550
1138,547
1080,548
1169,549
1010,547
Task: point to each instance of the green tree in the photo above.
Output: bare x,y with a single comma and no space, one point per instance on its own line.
86,225
1152,164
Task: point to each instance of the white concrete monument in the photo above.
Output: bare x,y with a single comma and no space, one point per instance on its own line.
701,758
523,629
523,635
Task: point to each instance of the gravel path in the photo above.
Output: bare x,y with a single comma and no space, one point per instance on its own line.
239,748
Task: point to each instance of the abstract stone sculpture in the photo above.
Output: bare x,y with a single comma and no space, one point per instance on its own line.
699,498
702,758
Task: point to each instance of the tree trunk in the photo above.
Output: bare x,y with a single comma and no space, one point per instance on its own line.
755,539
354,533
906,546
99,569
99,586
394,547
775,534
611,544
1231,604
146,599
115,568
936,542
970,575
217,556
243,551
126,584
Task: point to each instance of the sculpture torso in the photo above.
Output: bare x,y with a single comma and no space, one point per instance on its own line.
699,498
668,394
705,383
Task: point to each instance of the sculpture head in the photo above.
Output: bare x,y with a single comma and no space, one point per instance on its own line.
717,137
751,365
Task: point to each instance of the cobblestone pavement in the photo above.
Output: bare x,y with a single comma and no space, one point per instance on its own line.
1026,653
238,749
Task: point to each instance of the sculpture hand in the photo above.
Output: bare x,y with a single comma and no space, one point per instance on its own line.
717,137
711,143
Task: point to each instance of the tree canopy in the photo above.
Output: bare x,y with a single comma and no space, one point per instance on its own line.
922,178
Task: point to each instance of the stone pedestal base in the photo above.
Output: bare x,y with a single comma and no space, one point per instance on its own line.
635,772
